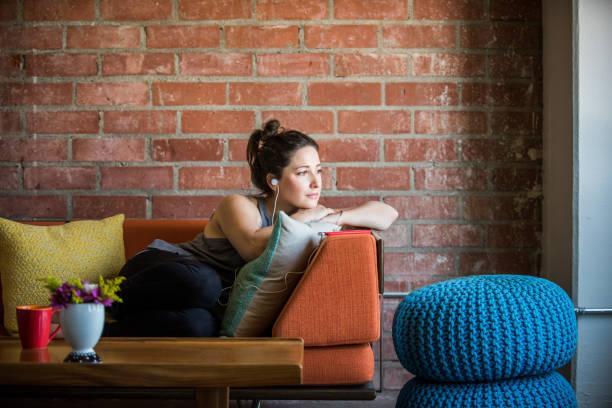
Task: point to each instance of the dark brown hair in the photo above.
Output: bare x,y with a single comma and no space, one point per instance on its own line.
270,150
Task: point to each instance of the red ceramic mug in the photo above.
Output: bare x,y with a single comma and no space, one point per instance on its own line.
34,324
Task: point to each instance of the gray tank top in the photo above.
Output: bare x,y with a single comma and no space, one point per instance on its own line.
217,252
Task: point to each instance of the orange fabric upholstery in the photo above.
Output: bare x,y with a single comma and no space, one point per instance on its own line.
336,302
137,234
352,364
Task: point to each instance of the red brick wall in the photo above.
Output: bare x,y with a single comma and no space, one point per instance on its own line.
144,107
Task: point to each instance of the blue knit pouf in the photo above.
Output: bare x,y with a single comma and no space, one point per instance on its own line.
542,391
485,328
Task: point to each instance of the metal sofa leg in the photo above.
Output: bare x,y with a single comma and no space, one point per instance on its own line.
256,404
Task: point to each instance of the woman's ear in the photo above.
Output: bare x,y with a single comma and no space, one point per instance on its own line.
272,181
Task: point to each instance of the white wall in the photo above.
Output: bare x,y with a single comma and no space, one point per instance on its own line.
593,276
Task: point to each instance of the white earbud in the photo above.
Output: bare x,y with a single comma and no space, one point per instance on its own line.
274,182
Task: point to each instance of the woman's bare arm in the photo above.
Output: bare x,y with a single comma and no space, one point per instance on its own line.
239,221
372,214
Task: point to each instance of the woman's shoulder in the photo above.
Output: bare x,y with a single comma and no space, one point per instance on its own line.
236,203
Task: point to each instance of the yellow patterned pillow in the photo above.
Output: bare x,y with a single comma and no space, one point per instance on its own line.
83,249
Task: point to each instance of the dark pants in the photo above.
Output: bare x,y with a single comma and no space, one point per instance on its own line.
166,295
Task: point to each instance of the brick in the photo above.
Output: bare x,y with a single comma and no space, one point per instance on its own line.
456,122
29,207
237,149
108,149
9,122
187,150
103,37
415,94
374,122
287,10
418,282
128,178
339,150
389,307
175,36
413,150
515,66
228,64
517,179
39,149
384,178
214,9
449,10
446,235
396,236
480,263
419,36
444,64
508,150
501,36
292,65
261,36
135,9
283,94
96,207
120,93
370,64
40,38
184,206
61,65
8,10
140,122
304,121
138,64
513,236
519,10
416,263
35,94
218,121
371,10
188,93
341,36
10,65
503,208
9,178
446,179
62,122
60,178
214,178
425,207
512,95
58,10
343,93
516,123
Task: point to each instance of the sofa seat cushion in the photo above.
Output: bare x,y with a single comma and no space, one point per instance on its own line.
336,302
336,365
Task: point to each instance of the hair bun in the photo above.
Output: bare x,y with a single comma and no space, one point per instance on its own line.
270,129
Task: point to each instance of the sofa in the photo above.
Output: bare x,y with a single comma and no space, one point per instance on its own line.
335,308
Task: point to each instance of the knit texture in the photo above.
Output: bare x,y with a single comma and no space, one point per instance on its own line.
485,328
543,391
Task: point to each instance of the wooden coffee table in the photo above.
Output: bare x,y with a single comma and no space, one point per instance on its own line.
210,366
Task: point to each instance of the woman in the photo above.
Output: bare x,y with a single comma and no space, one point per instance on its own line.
173,290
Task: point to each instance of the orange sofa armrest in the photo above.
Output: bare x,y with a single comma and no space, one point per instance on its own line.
336,301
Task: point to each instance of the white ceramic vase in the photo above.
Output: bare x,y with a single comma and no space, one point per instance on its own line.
82,325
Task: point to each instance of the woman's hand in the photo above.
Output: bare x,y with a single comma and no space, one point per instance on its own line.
312,214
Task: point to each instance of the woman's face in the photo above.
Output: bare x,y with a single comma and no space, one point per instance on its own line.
300,183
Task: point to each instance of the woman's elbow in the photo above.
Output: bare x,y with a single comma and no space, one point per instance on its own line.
391,215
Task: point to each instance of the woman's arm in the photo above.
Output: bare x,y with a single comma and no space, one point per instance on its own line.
238,218
372,214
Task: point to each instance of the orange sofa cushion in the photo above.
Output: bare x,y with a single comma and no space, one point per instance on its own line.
352,364
336,302
137,234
